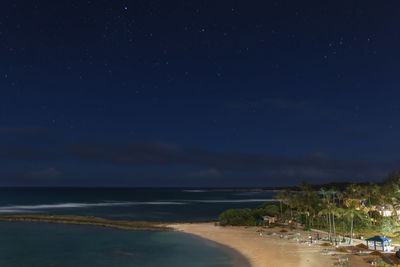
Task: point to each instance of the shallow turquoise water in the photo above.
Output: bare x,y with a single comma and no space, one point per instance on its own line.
44,244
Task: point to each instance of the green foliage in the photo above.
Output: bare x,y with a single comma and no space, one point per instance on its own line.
374,214
387,225
248,216
237,217
268,204
344,208
362,223
266,210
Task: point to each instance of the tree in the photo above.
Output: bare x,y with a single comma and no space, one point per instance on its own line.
334,211
280,196
266,209
353,211
237,217
341,213
308,202
327,210
332,207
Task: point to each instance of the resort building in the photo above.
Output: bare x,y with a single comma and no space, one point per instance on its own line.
388,211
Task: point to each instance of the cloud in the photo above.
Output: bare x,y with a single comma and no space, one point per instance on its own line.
209,173
166,160
48,173
218,164
130,154
356,131
274,102
23,130
138,154
27,152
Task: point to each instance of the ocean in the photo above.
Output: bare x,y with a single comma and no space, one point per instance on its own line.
45,244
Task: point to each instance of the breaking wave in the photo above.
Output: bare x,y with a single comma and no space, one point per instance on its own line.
41,207
30,208
235,200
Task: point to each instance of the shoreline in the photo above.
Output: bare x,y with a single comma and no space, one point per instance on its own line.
239,260
269,250
276,246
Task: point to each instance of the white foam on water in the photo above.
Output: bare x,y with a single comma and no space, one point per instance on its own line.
29,208
234,200
12,211
36,208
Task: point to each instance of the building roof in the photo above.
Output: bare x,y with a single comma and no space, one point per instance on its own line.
378,238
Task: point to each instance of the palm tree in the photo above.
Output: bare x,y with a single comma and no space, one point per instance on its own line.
334,211
280,196
297,202
323,192
368,193
309,199
340,213
353,211
332,193
325,211
376,197
327,208
292,204
392,196
286,194
340,196
332,207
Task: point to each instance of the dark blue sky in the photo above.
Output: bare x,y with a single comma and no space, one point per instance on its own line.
198,93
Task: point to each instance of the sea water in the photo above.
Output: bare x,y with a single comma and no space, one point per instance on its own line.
45,244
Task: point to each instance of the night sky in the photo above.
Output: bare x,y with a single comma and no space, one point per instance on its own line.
198,93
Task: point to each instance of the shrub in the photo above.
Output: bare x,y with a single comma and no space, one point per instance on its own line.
268,204
266,209
237,217
362,224
387,225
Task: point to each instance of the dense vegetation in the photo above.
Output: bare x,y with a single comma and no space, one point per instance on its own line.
248,216
340,211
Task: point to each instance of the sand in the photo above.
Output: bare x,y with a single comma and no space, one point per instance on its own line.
268,250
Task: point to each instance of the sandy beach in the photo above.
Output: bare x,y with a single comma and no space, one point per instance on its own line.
269,250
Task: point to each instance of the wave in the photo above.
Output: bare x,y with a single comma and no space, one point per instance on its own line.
10,211
39,207
25,208
248,193
235,200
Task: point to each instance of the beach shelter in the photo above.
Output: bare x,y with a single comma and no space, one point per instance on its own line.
385,242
